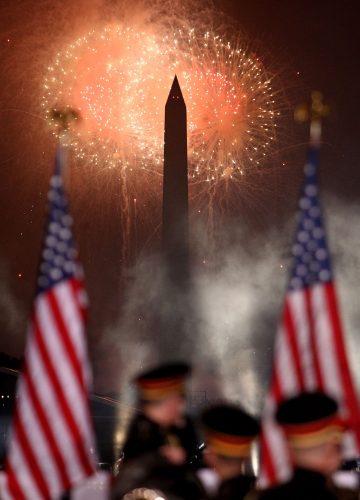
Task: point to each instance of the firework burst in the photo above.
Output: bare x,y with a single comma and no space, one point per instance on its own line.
119,78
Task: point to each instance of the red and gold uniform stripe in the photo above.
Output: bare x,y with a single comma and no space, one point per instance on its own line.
152,390
228,445
329,429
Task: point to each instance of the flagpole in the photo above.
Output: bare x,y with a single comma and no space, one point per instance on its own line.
52,446
309,352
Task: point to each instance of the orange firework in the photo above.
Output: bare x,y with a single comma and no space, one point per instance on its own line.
119,78
119,74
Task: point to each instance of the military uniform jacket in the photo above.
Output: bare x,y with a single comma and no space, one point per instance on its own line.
144,466
306,485
145,435
235,488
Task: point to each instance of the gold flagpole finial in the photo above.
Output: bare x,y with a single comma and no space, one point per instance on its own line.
315,112
63,118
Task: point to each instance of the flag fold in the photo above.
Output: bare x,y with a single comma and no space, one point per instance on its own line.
309,350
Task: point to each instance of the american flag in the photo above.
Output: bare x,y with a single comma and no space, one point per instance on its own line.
309,351
51,443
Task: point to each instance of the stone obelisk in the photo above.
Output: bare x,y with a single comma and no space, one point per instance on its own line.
175,233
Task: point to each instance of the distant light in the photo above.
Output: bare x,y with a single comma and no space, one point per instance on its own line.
19,275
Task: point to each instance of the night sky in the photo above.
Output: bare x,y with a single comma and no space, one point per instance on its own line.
310,45
319,40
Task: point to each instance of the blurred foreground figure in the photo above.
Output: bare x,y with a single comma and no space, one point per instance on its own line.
161,444
314,433
229,434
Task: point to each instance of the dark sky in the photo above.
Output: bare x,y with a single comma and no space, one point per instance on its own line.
311,44
320,40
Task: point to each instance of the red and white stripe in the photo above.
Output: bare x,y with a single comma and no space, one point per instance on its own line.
309,354
51,445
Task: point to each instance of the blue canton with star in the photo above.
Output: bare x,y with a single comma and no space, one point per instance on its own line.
59,255
311,260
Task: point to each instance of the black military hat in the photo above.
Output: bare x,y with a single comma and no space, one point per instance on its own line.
310,419
229,430
162,380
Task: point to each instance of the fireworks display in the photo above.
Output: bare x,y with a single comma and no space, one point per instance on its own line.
115,63
119,77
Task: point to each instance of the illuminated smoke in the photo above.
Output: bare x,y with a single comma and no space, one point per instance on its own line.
230,344
239,305
344,241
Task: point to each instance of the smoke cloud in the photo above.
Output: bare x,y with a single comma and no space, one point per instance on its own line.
238,300
344,238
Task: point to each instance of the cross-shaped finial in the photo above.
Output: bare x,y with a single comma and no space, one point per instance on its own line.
315,113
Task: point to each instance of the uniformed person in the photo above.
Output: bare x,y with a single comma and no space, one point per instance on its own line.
229,434
162,442
314,432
